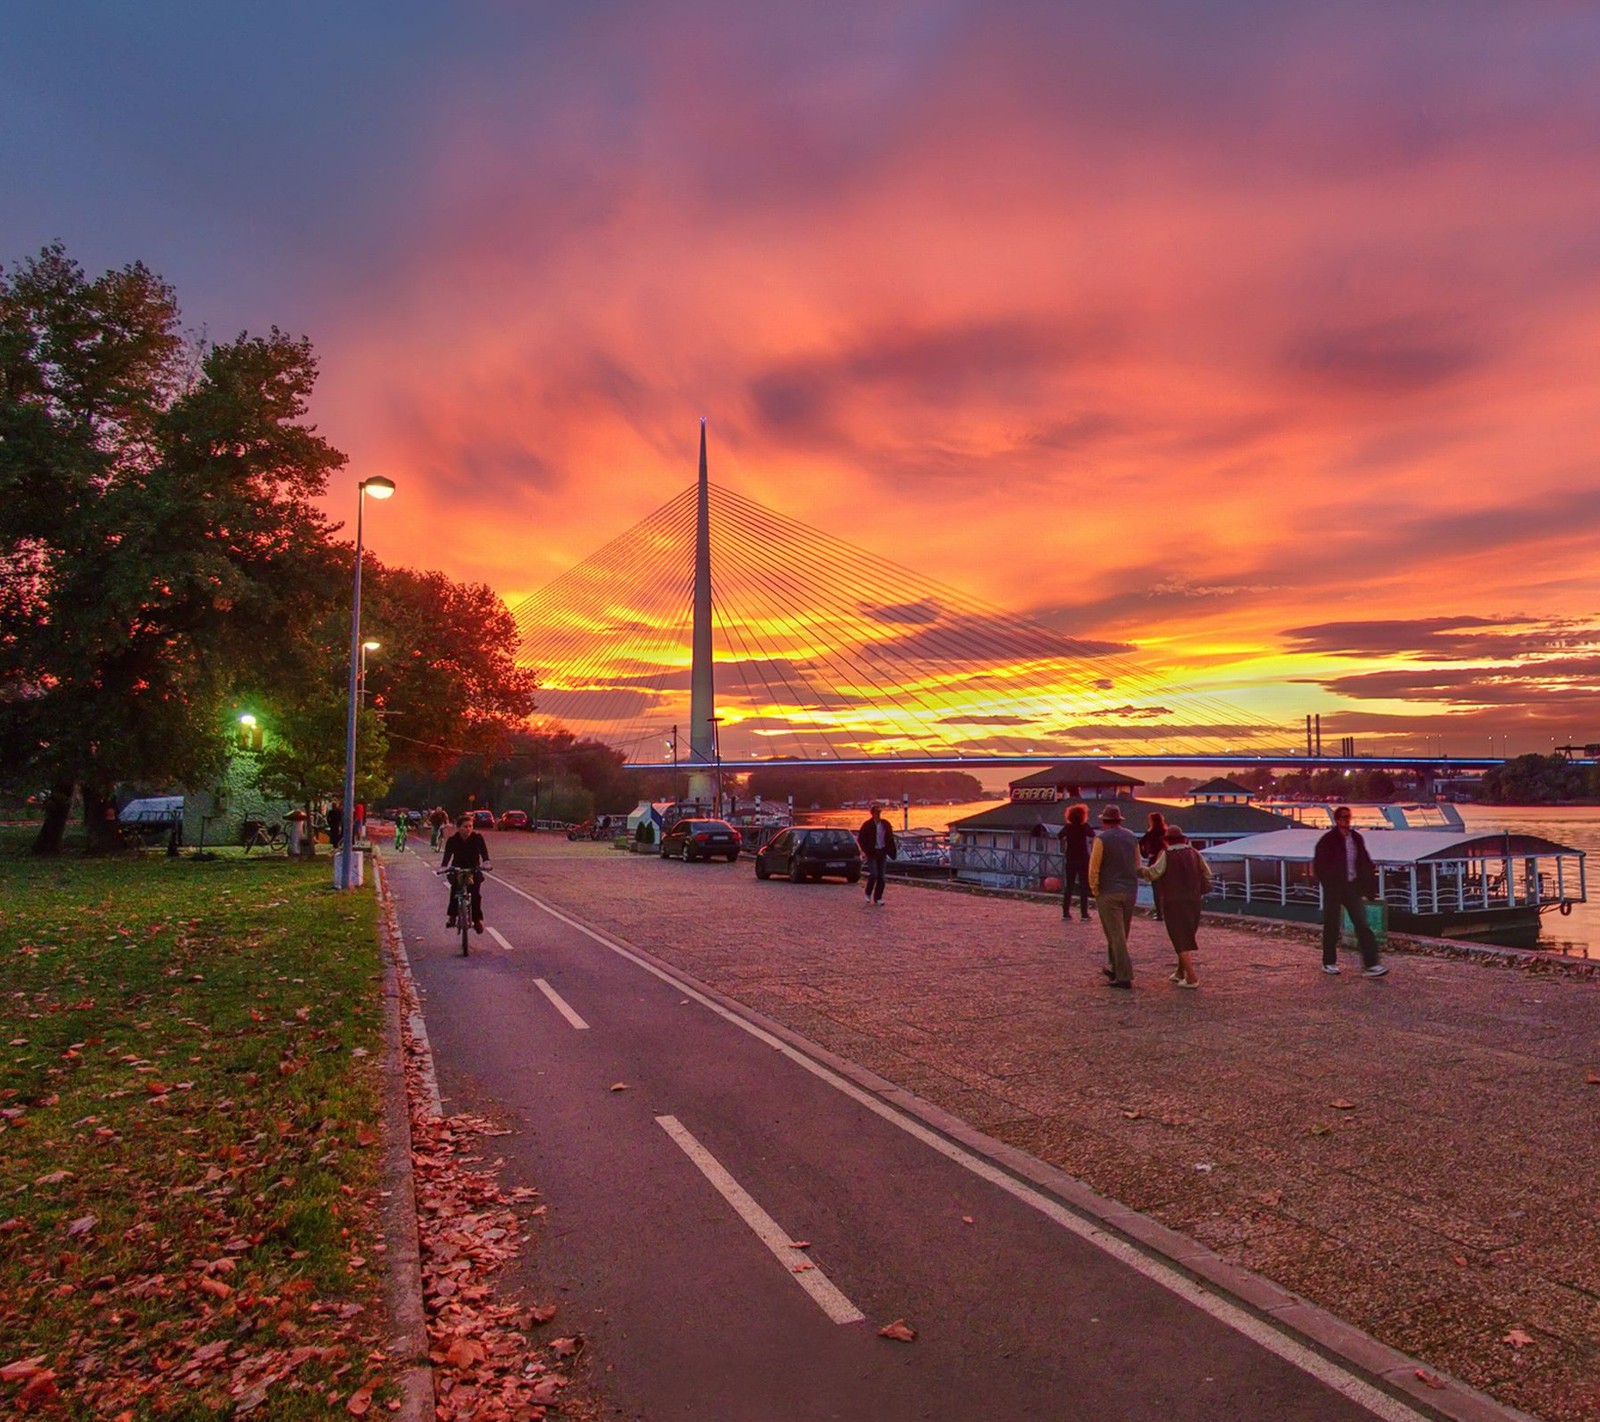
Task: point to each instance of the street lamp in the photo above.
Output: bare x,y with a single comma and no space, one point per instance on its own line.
344,867
361,680
674,744
716,756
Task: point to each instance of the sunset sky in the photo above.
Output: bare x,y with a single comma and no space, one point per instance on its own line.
1258,338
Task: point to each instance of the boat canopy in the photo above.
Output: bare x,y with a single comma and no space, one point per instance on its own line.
1298,846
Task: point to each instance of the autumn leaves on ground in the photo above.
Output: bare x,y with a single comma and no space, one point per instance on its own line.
190,1155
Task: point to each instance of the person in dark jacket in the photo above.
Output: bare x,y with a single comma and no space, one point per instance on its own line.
1152,845
876,839
466,852
1348,878
1185,878
1114,881
335,822
1077,836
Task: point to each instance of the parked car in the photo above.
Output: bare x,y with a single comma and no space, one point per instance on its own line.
809,852
514,819
483,819
700,839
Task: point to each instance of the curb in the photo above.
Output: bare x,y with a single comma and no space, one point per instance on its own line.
1427,1390
408,1342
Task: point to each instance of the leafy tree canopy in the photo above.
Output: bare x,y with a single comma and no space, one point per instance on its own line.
156,528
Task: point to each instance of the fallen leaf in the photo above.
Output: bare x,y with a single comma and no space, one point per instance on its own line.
566,1347
464,1352
620,1086
1593,1079
1431,1379
1342,1105
899,1330
799,1244
1133,1115
55,1177
1517,1338
82,1226
966,1219
360,1401
541,1314
1459,1260
800,1268
23,1368
366,1136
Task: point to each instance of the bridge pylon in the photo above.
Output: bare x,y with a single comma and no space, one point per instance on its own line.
703,749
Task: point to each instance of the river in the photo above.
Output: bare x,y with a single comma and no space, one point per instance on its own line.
1575,825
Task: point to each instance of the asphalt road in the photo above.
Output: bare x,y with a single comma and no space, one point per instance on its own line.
676,1205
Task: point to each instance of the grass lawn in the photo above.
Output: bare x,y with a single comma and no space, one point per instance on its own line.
189,1107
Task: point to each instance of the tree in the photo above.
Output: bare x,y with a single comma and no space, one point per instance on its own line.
446,681
156,530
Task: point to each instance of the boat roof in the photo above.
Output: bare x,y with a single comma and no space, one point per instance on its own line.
1299,846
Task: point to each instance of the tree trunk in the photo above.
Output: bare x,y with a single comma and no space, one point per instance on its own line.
57,806
100,820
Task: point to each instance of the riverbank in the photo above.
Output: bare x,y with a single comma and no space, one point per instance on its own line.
1415,1154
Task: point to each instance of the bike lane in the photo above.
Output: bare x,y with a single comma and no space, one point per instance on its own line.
684,1152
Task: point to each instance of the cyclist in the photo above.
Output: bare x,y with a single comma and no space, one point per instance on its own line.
402,822
466,852
437,821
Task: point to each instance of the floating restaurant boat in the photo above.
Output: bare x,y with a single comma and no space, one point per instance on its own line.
1488,886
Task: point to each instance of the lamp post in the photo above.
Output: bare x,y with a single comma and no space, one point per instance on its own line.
674,744
361,680
344,867
716,756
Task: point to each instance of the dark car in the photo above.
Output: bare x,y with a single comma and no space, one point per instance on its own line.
809,853
483,819
701,839
514,819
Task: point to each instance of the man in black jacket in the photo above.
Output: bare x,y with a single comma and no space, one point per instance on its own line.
877,847
1348,878
466,852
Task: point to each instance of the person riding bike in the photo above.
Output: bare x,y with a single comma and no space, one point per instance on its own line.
466,852
437,821
402,822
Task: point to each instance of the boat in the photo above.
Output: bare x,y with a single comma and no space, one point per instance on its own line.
1486,886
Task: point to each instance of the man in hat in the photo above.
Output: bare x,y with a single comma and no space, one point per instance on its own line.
877,848
1114,881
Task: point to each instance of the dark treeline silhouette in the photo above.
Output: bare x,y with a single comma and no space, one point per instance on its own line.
829,789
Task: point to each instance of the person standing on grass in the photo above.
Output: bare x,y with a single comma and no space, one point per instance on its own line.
1114,881
1077,836
1348,878
876,839
1185,878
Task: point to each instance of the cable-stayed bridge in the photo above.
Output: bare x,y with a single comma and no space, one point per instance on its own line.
804,648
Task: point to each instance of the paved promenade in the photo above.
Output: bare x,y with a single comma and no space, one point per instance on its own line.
1419,1154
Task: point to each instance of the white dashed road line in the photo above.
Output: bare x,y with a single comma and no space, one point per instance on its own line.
810,1278
560,1004
498,937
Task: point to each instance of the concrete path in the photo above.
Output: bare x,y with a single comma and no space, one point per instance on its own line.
1372,1145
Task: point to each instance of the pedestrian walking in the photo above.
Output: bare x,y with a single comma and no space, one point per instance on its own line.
1114,882
1185,879
335,823
1348,878
1152,844
876,839
1077,835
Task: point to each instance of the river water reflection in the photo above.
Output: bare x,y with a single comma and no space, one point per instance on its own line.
1575,825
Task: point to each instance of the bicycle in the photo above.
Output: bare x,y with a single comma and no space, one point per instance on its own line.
265,837
400,827
461,903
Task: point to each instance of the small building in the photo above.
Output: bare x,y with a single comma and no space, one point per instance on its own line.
1221,792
